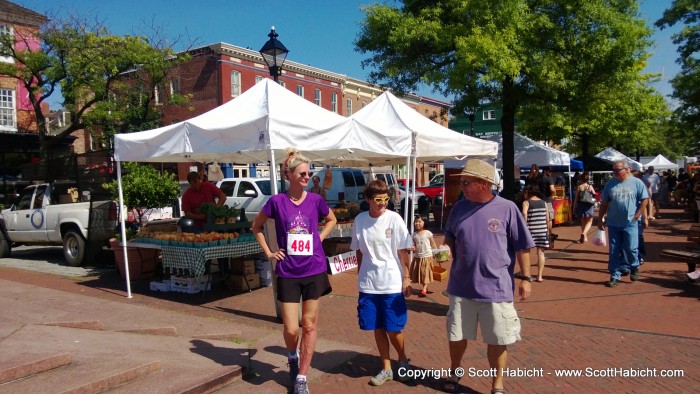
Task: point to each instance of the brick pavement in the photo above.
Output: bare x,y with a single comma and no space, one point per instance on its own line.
570,321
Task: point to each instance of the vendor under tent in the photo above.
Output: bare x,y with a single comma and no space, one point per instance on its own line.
661,163
614,155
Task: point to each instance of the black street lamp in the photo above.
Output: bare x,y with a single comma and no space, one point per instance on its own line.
274,53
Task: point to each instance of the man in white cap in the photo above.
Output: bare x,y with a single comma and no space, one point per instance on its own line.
486,234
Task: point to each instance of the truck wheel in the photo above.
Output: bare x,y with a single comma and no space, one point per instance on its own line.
73,248
5,247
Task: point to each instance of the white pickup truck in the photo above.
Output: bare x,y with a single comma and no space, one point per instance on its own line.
47,214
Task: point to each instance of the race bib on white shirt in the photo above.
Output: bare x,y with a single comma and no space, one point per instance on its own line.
300,244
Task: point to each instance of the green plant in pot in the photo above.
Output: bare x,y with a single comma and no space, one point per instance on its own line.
144,188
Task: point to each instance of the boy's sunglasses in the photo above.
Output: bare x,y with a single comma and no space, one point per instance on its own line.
381,199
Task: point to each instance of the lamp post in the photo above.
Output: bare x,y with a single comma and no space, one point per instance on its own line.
274,53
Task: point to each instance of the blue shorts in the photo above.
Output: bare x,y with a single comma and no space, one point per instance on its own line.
382,311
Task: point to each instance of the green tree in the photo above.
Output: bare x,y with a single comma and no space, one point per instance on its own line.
94,70
686,84
511,52
144,188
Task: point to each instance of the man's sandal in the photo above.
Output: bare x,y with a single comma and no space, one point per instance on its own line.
451,384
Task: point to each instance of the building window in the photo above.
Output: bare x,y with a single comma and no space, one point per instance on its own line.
174,87
300,90
334,102
283,84
490,114
6,30
158,94
317,97
235,83
8,114
348,107
258,78
94,143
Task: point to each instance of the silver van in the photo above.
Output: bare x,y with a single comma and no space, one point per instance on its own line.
348,185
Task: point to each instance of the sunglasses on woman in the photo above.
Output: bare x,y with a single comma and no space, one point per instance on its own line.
379,200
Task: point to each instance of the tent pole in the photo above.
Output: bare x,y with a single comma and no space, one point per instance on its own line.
413,188
408,192
273,173
122,226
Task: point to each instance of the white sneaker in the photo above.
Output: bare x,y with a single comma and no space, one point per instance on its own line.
693,276
382,377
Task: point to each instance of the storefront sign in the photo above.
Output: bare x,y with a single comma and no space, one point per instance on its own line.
342,262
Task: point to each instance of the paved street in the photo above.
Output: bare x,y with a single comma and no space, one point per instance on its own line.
571,321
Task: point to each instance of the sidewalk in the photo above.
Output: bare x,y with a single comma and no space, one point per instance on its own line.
571,321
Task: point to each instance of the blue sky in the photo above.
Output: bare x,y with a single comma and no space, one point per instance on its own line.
319,33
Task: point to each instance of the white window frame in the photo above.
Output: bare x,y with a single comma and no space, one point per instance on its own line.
348,107
317,97
235,83
489,114
334,102
7,29
174,87
283,84
258,78
8,110
157,93
300,90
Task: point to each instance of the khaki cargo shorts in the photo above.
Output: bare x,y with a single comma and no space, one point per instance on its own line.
499,321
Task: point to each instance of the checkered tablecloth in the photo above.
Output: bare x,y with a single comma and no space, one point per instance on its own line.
194,259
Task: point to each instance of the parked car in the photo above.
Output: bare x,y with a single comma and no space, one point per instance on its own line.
249,194
348,185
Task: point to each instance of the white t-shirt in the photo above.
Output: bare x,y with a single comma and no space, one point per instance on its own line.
652,180
379,240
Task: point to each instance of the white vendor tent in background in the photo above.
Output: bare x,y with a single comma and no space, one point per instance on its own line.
614,155
529,152
661,163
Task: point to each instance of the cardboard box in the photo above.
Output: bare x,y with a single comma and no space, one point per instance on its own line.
439,274
242,267
238,282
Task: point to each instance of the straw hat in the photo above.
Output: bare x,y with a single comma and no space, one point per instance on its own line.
479,169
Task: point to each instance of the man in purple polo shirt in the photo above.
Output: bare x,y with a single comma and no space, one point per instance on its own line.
486,234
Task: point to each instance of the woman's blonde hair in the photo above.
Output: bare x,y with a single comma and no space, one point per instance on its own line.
293,160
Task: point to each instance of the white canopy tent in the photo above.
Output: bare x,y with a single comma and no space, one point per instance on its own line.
430,140
265,118
614,155
661,163
529,152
